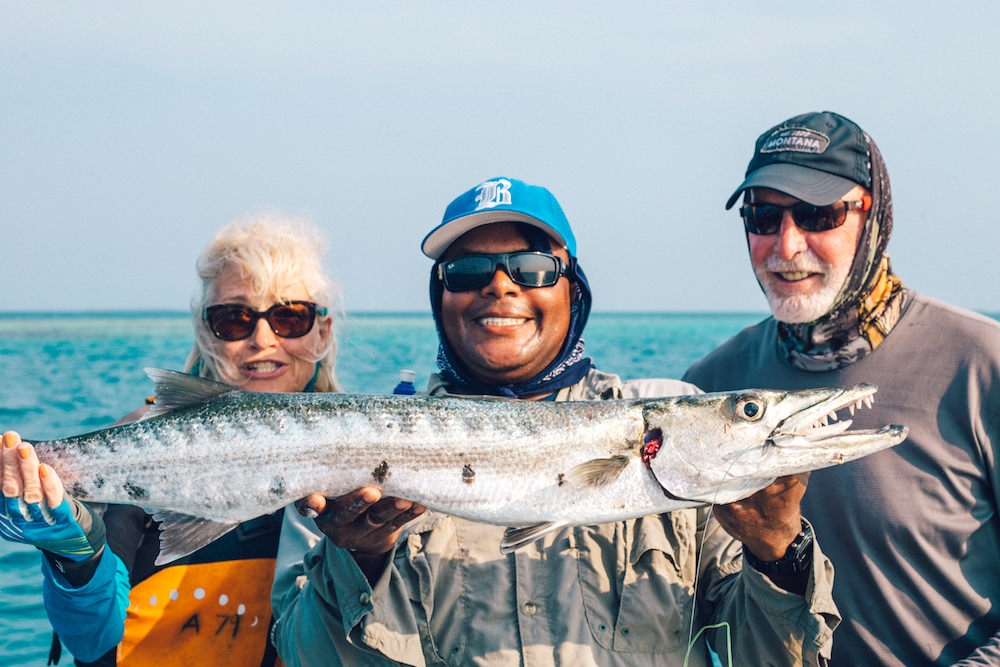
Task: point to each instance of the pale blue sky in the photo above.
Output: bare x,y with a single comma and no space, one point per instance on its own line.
131,131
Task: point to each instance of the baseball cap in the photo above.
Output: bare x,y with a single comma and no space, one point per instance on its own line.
500,199
817,157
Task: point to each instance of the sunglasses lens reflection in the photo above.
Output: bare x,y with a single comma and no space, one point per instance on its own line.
529,269
231,322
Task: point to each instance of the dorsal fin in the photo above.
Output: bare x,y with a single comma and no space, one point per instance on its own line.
176,391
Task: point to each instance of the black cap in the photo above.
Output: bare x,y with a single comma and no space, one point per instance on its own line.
817,157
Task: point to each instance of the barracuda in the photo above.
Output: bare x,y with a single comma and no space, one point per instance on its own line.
209,456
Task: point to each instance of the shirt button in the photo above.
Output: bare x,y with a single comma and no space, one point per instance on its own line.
364,598
530,608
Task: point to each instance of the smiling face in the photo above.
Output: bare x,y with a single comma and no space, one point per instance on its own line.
265,361
504,333
803,272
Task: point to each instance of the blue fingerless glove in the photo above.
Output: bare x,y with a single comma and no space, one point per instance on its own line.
69,532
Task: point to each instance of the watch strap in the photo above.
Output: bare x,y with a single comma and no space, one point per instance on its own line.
797,559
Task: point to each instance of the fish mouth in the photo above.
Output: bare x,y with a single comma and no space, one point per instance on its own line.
820,423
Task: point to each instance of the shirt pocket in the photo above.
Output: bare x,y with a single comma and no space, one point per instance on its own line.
637,580
421,572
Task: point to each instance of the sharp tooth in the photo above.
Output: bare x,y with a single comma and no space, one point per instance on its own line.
869,402
852,408
833,416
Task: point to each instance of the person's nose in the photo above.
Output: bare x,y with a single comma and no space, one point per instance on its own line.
791,238
501,284
263,335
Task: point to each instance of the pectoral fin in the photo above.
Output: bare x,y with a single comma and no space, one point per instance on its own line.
597,472
182,534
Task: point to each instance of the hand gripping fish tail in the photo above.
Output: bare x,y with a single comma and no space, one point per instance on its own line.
213,456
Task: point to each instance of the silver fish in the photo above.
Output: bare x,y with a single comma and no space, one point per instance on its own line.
209,456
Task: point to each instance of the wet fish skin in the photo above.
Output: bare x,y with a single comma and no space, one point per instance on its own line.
210,456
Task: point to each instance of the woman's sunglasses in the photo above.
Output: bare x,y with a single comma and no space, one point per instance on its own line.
233,321
529,269
766,218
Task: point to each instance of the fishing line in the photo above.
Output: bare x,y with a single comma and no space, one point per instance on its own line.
729,643
692,637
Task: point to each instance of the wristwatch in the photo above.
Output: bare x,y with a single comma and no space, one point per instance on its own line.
797,559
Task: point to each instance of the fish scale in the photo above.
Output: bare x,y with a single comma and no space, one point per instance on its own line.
208,456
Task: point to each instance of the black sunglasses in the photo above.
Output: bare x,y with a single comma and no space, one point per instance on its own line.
233,321
766,218
528,268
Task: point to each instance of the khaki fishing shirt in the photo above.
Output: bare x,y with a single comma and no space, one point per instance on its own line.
636,592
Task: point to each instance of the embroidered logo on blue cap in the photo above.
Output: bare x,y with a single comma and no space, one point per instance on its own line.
798,139
493,193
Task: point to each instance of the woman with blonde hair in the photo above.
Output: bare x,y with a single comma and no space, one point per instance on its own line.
263,322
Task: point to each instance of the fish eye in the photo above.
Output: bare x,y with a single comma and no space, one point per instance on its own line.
750,408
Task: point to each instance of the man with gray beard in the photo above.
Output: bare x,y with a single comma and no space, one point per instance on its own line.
914,531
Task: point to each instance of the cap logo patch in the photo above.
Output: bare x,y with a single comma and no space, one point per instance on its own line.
797,139
493,193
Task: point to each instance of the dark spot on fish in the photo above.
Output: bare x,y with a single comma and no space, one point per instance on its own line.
468,474
99,482
381,472
135,492
78,490
561,478
277,486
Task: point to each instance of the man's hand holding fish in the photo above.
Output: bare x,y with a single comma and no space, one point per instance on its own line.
363,522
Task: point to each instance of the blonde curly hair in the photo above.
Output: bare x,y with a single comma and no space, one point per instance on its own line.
271,251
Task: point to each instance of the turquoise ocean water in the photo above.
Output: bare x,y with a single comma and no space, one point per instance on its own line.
64,374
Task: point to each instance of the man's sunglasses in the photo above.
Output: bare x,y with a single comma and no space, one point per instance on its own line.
529,269
233,321
766,218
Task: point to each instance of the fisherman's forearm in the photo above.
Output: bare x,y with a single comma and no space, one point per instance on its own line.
76,574
90,618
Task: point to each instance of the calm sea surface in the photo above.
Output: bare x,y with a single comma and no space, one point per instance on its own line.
65,374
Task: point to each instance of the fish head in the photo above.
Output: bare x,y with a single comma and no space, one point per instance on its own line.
723,447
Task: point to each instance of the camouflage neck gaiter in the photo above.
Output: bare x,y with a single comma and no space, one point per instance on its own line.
869,303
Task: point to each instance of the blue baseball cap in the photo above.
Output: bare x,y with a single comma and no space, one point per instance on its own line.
500,200
817,157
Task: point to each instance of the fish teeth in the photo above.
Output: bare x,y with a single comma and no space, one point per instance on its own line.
826,419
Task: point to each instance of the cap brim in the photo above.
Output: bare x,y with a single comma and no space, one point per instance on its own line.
810,185
435,243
